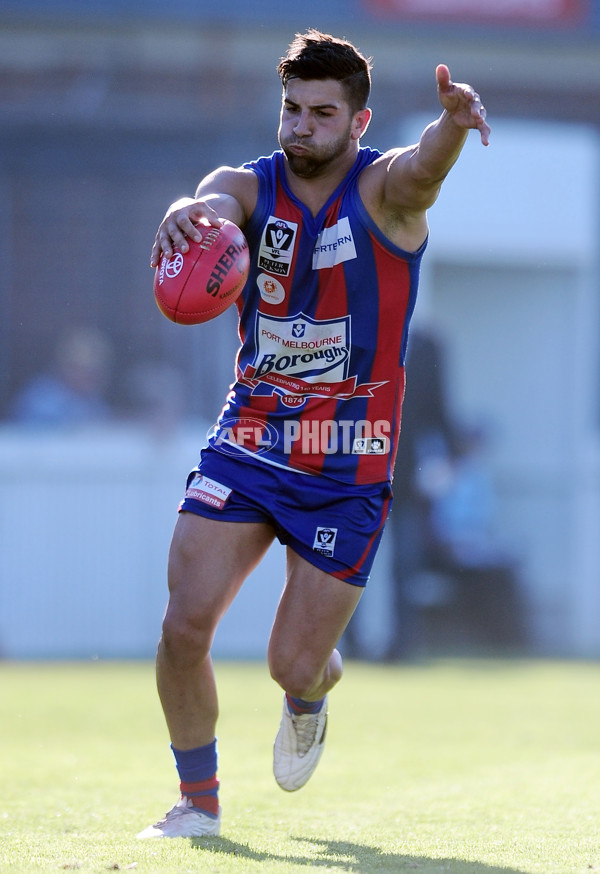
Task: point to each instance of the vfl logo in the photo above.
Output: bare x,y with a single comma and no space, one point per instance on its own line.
325,541
174,265
277,246
279,237
298,329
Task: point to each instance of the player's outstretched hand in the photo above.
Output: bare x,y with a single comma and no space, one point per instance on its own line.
179,223
462,102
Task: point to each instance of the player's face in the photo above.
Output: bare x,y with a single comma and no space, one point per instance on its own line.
316,125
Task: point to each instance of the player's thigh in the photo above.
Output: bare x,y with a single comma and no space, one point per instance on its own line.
209,560
313,612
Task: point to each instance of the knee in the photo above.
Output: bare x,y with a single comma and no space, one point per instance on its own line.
185,639
298,676
303,676
292,679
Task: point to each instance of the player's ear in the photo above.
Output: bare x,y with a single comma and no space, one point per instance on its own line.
360,123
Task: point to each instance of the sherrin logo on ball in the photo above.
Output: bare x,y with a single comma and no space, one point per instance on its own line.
195,286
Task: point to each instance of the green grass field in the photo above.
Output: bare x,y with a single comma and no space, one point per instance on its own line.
460,767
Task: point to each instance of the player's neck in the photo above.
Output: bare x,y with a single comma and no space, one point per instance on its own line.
315,191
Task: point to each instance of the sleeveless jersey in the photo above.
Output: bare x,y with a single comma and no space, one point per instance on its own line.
323,323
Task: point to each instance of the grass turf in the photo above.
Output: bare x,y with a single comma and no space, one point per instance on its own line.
458,767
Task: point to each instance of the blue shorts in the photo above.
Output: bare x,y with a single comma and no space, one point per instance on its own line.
335,526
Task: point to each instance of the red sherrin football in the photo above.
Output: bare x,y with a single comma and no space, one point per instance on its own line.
200,284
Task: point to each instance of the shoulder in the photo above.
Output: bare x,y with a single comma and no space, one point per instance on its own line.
374,176
391,207
239,183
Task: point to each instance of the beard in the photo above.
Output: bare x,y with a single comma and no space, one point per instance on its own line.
317,159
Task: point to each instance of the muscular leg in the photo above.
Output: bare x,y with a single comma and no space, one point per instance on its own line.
208,562
312,614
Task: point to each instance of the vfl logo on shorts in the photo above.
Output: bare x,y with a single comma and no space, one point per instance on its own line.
325,541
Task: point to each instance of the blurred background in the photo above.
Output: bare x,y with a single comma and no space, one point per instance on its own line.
111,110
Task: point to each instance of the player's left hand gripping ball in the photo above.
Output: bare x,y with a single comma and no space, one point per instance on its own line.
198,285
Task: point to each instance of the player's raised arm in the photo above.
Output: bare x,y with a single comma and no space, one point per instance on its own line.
415,174
462,103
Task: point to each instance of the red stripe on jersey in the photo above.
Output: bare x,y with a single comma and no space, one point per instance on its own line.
386,364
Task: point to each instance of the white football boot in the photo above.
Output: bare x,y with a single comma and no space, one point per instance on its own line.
298,746
184,821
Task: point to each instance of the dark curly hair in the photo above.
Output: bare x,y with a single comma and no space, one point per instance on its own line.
316,55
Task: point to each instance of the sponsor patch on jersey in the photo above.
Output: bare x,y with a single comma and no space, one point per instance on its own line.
277,246
271,289
334,245
207,490
325,541
299,355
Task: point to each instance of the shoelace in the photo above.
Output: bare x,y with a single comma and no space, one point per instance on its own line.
306,731
180,809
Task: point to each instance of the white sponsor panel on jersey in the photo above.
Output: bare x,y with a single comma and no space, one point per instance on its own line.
300,351
334,245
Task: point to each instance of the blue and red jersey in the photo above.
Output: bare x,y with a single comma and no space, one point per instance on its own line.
324,320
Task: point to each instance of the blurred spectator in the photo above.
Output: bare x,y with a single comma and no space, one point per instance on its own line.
463,511
73,392
422,470
482,587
